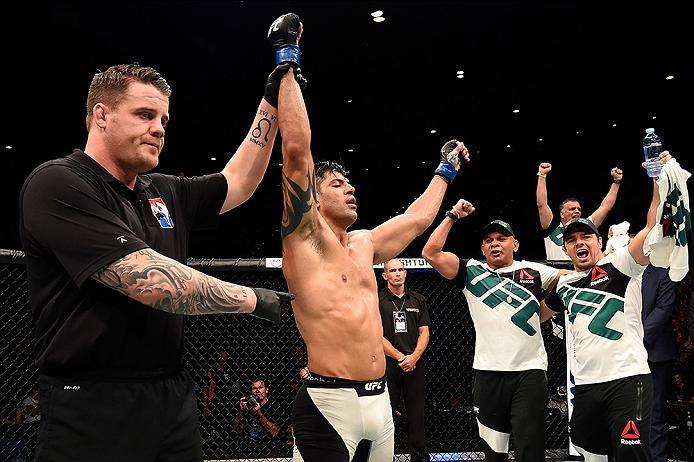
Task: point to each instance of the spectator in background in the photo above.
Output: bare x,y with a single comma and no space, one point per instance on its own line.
405,318
681,391
221,388
219,391
299,370
658,293
558,401
259,421
27,411
27,419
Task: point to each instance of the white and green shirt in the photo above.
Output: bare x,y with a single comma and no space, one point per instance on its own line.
604,306
505,309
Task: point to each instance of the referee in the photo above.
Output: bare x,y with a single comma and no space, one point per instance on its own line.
405,318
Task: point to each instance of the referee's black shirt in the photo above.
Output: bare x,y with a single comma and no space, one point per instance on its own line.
76,218
414,305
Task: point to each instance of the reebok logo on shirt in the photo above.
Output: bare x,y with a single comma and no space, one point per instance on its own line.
598,275
525,278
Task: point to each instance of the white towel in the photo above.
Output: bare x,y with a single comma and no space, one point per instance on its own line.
668,240
619,238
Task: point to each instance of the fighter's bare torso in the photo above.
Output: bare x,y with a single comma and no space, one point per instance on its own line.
336,305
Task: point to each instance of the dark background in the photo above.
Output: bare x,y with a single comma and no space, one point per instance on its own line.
568,67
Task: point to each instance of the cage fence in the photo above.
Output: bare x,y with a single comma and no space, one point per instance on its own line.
225,355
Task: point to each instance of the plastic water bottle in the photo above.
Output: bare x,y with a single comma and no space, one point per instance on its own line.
652,147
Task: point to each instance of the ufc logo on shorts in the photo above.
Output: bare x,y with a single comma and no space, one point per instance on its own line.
372,386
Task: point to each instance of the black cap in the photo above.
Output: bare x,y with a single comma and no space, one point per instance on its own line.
584,223
498,225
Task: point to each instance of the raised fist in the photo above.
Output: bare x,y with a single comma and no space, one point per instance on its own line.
285,30
284,35
463,208
452,153
617,174
544,168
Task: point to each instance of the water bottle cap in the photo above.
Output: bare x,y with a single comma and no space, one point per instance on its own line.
650,131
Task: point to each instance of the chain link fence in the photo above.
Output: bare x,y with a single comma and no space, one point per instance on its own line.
226,355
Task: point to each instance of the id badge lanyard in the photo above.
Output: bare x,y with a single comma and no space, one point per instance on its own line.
399,319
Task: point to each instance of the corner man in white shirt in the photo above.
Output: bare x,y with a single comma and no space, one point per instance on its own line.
612,410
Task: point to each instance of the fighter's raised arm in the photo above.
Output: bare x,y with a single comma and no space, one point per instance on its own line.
298,180
391,237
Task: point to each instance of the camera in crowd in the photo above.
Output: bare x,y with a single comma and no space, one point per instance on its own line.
251,402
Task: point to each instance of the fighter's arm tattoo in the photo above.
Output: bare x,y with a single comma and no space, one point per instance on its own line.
165,284
297,201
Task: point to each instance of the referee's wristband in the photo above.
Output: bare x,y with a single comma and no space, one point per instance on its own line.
543,175
452,215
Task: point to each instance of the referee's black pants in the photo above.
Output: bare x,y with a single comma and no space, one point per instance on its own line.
410,386
87,420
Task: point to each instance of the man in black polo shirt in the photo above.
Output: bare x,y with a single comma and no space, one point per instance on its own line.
405,318
105,250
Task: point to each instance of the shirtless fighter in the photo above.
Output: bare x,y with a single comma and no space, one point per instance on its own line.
343,400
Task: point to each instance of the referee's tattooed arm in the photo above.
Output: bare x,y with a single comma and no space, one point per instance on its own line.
165,284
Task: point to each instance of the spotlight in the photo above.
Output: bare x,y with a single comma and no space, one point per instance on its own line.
377,14
669,77
379,19
213,158
432,132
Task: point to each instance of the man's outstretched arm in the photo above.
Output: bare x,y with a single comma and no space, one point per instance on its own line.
543,208
165,284
608,202
394,235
